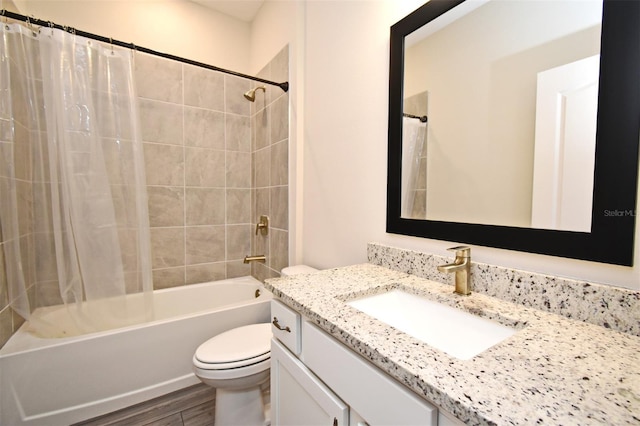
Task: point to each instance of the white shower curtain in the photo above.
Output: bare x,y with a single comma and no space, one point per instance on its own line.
413,136
76,224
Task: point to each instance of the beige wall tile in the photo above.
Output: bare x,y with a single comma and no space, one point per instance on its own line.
204,167
279,253
167,247
161,122
158,78
203,88
238,169
271,90
47,293
238,133
6,325
260,244
25,207
22,153
27,252
280,163
262,204
46,268
124,205
6,155
128,238
234,89
261,129
6,130
166,205
280,119
42,220
239,241
280,207
40,155
4,291
206,272
170,277
205,206
204,128
236,268
164,164
262,271
118,160
280,65
261,176
238,206
205,244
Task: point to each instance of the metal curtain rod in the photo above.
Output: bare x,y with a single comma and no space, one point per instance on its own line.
422,118
30,20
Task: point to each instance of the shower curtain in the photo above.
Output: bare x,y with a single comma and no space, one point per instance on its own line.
413,136
74,206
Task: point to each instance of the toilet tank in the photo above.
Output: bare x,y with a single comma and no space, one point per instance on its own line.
297,270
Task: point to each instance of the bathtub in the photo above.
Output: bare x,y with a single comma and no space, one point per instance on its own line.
66,380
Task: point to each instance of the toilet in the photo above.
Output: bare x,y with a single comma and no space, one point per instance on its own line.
237,364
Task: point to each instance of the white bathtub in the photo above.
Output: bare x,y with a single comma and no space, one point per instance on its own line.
66,380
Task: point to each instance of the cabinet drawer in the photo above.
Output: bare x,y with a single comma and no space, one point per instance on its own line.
285,326
378,398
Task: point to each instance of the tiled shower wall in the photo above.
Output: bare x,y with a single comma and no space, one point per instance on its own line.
214,163
270,171
203,145
196,131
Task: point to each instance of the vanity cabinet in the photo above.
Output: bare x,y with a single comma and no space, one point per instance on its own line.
316,380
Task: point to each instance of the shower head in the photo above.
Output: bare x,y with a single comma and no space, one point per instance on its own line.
251,94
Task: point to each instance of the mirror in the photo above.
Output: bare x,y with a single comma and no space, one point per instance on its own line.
485,101
507,165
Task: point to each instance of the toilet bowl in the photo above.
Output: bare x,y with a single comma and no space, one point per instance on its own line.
237,364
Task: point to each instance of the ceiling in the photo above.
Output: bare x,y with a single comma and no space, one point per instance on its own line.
244,10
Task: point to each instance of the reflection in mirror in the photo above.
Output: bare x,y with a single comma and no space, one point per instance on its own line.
531,136
493,152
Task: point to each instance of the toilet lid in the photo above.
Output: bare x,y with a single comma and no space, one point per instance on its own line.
239,346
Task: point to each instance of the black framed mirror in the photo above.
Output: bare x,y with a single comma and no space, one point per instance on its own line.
617,133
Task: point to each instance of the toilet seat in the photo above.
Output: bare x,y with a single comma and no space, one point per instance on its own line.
237,348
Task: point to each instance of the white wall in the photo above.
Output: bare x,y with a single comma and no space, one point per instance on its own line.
345,147
178,27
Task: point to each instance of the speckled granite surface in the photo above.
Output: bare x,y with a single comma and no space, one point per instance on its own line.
607,306
554,370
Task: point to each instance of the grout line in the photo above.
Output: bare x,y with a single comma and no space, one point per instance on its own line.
184,181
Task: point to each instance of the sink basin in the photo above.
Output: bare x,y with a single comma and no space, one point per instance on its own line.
458,333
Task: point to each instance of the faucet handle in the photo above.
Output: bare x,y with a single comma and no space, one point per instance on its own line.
461,251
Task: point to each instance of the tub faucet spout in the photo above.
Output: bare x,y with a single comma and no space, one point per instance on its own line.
461,266
257,258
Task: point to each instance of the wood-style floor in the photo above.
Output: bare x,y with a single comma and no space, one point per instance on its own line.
192,406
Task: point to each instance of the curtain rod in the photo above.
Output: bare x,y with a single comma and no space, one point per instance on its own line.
422,118
34,21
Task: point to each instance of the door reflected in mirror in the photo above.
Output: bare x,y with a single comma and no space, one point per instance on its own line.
510,92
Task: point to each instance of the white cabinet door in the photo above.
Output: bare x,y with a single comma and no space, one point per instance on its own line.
298,398
374,395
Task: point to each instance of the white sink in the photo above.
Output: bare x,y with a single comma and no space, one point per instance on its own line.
458,333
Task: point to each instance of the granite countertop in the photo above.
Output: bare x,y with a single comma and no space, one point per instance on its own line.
554,370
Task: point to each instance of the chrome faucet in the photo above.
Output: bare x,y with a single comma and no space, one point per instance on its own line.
462,268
